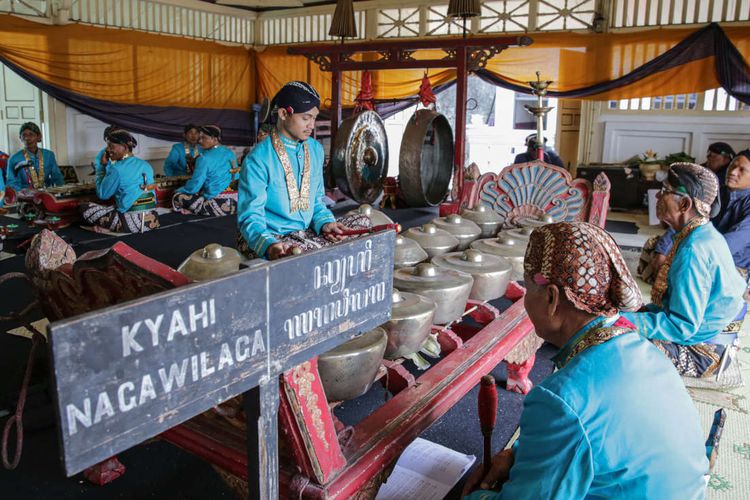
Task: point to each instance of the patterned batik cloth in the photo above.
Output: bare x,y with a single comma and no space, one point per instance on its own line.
709,186
697,360
308,240
109,218
586,263
222,204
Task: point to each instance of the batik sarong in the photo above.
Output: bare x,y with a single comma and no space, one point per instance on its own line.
109,218
697,360
223,204
308,240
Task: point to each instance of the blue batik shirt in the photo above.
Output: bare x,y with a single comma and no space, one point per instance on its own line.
176,163
263,199
18,180
734,223
704,292
614,422
212,172
124,179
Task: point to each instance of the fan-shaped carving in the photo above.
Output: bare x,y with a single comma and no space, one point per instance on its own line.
531,189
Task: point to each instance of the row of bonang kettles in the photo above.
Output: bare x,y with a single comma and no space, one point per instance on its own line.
359,158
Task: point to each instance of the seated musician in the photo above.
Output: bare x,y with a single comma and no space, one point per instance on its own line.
33,167
130,181
698,292
615,420
655,250
281,184
182,157
210,191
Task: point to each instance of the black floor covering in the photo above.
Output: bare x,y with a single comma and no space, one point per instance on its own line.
157,469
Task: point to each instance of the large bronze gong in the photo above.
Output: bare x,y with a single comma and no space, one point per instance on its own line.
426,159
359,160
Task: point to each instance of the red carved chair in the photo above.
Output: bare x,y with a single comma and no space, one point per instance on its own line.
534,188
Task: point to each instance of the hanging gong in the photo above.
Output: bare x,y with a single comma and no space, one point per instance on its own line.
426,159
359,161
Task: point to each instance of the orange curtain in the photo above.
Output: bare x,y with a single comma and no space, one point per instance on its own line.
570,60
131,67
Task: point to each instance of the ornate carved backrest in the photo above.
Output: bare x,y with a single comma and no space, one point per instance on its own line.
67,286
531,189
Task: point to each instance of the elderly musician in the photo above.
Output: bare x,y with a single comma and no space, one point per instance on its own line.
698,292
130,181
210,190
281,183
615,420
183,155
33,167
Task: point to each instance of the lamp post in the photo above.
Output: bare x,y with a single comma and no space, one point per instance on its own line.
539,89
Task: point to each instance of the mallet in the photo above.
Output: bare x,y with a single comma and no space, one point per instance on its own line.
487,416
373,229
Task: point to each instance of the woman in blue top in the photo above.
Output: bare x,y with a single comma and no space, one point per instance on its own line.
615,420
698,292
211,190
183,155
281,184
129,180
33,167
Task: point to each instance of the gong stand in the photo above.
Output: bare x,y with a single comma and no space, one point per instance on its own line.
465,55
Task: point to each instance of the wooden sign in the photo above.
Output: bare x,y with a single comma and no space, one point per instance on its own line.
126,373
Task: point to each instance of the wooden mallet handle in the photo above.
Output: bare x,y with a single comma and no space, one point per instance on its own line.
373,229
487,416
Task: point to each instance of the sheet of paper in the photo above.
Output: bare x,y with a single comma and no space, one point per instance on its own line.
425,471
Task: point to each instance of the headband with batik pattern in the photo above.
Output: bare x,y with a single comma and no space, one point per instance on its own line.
584,261
699,183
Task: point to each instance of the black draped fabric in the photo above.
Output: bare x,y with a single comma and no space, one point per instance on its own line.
731,69
388,107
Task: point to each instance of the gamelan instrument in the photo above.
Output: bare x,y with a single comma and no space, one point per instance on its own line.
426,159
433,240
63,201
449,289
349,370
359,158
376,216
464,230
487,219
491,273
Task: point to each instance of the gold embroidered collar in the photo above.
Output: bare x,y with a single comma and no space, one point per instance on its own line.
596,333
37,177
299,197
660,283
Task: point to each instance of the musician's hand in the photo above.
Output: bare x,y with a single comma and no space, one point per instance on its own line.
333,231
277,251
104,160
498,474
